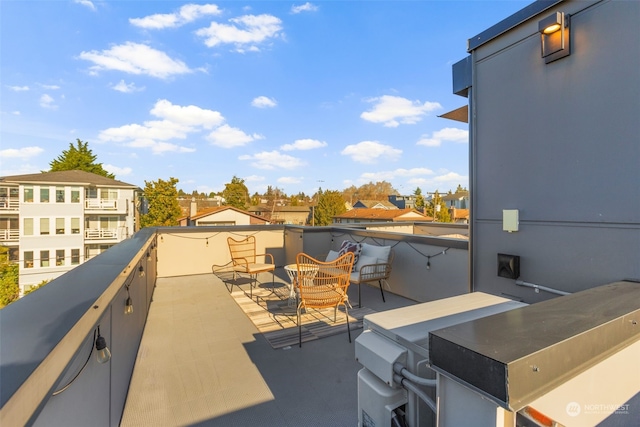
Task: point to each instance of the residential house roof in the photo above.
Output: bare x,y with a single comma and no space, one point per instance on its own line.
459,195
73,177
212,211
374,204
376,214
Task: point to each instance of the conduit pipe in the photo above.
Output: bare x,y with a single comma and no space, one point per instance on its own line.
539,288
404,382
402,371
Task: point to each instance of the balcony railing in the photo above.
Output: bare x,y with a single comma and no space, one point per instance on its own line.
9,204
9,235
48,335
101,204
100,233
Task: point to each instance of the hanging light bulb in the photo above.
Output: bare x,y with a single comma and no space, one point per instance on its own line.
141,270
103,354
128,304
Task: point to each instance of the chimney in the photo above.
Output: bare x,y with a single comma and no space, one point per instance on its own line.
193,209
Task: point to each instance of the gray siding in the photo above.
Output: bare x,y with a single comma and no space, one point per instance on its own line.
560,142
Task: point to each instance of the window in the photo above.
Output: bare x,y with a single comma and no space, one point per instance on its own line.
75,256
59,225
44,258
75,225
59,194
44,226
44,195
75,195
59,257
28,259
28,227
28,194
108,194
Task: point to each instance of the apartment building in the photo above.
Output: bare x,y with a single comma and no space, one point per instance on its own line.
53,221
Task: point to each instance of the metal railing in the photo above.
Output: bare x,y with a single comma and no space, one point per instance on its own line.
101,233
9,235
101,204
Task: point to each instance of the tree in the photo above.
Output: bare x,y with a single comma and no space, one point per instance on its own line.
330,204
164,209
419,199
235,193
9,271
79,157
441,213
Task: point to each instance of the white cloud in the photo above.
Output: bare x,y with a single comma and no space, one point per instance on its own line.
395,110
444,182
228,137
20,153
47,101
118,171
254,178
187,13
189,115
50,87
273,160
135,58
445,134
245,30
15,113
126,87
19,88
177,123
370,152
85,3
304,144
307,7
264,102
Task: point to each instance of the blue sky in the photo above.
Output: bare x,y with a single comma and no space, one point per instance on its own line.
296,95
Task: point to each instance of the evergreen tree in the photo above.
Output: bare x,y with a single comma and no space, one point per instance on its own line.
164,209
419,199
236,193
79,157
330,204
9,288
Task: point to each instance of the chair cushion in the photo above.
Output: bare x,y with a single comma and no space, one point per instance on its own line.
365,260
349,246
331,256
379,252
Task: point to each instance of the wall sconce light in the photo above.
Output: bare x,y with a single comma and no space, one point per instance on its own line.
555,37
141,271
128,304
104,355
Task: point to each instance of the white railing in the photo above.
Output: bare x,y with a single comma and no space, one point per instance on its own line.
10,204
101,204
102,233
9,234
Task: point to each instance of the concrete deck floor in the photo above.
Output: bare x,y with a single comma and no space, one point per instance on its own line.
202,362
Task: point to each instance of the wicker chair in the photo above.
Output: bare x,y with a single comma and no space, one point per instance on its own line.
245,260
323,284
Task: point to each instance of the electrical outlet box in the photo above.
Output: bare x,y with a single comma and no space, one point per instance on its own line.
510,220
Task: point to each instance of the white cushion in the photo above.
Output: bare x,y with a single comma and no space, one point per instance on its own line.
380,252
365,260
332,255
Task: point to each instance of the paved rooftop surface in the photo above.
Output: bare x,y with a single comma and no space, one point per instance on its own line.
202,362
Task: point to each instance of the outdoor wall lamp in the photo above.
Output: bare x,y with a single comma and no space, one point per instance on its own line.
103,353
555,36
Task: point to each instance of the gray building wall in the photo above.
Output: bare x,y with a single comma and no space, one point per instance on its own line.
560,142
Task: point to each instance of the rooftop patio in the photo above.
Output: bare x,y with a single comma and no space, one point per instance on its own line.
188,355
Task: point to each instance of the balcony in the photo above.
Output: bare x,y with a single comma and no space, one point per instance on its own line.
101,234
101,205
11,235
188,354
12,204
